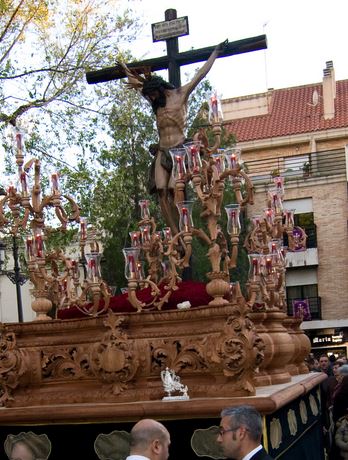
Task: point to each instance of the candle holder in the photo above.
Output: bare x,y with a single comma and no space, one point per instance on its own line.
54,277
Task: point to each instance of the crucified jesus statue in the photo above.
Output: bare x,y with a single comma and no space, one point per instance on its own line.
170,108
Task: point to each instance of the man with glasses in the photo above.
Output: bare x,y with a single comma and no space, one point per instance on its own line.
240,434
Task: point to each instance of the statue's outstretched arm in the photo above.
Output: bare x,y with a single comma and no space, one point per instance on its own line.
189,87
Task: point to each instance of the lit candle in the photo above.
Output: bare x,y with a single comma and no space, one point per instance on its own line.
214,108
194,155
269,215
255,267
93,269
23,180
233,161
132,268
145,234
29,247
135,239
234,222
167,233
268,265
185,218
39,246
75,268
144,209
54,179
82,229
180,166
19,143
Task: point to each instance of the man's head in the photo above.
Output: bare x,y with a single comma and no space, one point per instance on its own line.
153,90
240,431
21,451
150,439
324,363
342,372
336,365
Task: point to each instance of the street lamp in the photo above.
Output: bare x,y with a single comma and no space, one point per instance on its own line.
15,275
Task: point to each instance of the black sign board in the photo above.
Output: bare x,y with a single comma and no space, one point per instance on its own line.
170,29
334,339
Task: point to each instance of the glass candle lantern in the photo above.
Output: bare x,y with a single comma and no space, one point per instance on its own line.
279,185
19,141
93,267
255,266
23,181
269,215
215,112
274,248
233,222
193,156
38,244
276,201
185,213
289,218
55,183
144,209
257,220
219,160
145,234
131,258
75,269
29,247
135,239
83,228
232,157
167,234
179,167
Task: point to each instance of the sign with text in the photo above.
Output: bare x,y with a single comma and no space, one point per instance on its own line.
170,29
328,339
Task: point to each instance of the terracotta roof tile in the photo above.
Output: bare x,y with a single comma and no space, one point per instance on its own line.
292,112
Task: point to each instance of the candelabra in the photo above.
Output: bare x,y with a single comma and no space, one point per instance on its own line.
55,276
266,249
207,169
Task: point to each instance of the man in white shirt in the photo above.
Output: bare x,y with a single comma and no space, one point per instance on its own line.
240,434
150,440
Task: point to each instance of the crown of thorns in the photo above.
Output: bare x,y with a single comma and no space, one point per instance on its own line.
154,82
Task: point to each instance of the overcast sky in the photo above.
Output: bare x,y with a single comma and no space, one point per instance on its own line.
302,35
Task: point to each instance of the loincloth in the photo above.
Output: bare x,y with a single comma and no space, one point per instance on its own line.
160,174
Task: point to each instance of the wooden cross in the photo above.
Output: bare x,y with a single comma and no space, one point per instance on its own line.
174,60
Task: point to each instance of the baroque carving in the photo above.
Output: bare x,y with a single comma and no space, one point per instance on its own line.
235,352
113,359
178,354
69,363
12,365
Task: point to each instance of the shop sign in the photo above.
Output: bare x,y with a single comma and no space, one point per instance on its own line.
328,339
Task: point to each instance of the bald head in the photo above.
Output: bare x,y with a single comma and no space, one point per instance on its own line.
150,439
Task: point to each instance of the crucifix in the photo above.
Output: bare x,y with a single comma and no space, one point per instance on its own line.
174,60
169,100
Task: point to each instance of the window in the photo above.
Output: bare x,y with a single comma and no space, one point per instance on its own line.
306,221
307,291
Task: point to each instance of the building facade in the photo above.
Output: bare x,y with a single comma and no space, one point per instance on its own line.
301,133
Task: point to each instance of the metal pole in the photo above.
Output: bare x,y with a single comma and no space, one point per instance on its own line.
17,279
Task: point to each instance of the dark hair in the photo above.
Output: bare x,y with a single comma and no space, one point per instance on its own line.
152,84
155,83
246,416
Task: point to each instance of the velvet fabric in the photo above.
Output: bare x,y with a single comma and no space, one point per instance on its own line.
192,291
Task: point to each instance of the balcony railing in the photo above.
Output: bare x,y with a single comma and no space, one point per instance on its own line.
314,307
297,167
